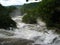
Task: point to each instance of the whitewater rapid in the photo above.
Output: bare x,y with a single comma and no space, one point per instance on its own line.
29,31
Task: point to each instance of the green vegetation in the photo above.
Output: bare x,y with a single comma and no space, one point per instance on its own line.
29,7
29,19
31,16
5,20
11,8
47,10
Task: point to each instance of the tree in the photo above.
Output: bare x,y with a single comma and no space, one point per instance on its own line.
5,20
48,11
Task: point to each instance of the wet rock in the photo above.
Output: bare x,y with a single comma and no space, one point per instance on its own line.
37,44
11,41
54,39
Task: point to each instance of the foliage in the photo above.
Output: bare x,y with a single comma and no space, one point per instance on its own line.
47,10
31,16
11,8
5,20
29,19
26,7
50,13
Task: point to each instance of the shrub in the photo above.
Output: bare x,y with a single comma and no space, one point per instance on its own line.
29,19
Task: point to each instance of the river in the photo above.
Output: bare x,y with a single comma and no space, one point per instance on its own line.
28,34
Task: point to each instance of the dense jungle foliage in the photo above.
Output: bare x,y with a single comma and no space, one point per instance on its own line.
5,20
47,10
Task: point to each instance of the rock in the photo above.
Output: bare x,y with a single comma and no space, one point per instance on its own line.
11,41
37,44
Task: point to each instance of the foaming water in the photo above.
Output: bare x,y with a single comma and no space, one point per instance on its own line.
33,32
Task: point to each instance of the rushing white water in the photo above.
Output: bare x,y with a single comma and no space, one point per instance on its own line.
35,32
